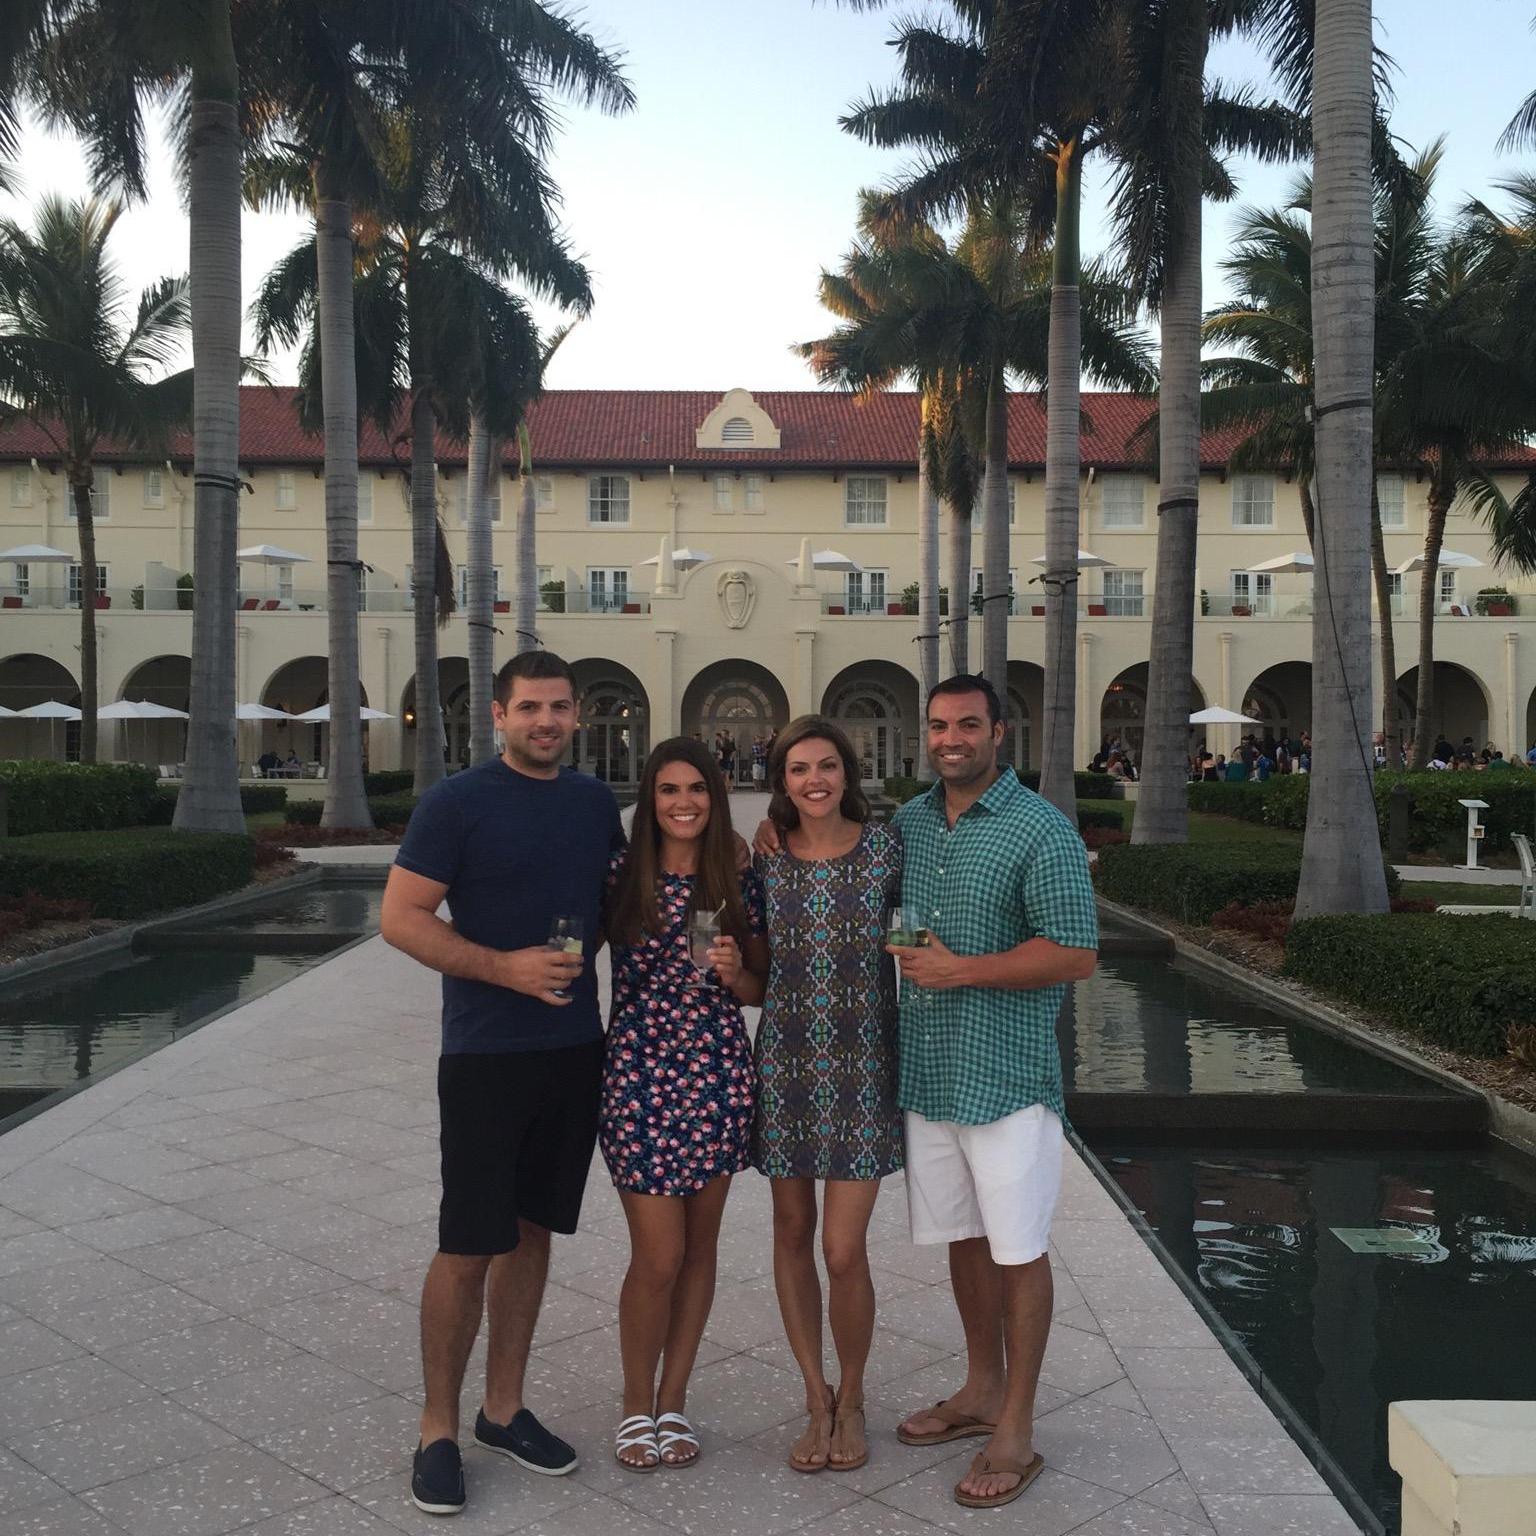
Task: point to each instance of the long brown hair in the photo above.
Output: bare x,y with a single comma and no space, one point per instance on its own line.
781,809
632,911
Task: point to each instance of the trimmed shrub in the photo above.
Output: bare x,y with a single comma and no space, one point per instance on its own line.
255,800
1194,881
1093,817
77,797
388,781
386,810
903,789
1243,801
1103,837
1460,982
126,873
1090,786
1285,801
1265,919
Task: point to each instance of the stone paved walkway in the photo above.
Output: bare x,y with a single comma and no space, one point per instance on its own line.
209,1265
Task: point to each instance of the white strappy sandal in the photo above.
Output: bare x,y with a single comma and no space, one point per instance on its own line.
671,1438
638,1430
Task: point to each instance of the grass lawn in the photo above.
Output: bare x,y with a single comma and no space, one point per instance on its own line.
1450,894
261,819
1205,829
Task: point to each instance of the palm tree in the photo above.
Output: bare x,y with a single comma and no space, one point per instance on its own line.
72,362
330,76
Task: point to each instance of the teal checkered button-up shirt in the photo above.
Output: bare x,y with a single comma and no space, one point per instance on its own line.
1013,868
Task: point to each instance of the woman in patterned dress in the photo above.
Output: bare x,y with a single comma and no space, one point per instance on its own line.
676,1118
826,1060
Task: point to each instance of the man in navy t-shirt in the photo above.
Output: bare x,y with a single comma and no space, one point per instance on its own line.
511,845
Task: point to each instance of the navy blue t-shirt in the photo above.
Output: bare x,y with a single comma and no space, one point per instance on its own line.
515,852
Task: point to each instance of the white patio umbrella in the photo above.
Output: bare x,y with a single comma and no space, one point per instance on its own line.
1218,716
1296,561
828,560
50,710
245,712
140,709
321,714
1086,561
685,559
37,554
270,555
1450,560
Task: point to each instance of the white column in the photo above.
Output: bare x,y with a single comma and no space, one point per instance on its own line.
1514,727
1089,723
1468,1467
663,689
1230,735
802,695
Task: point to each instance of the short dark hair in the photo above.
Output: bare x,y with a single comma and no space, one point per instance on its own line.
534,665
781,809
969,682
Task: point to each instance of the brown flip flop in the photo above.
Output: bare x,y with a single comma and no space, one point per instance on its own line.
848,1466
985,1466
960,1426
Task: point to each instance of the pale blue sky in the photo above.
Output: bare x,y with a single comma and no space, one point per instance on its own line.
707,213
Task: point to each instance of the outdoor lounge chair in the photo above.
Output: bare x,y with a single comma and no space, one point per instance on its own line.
250,605
1526,907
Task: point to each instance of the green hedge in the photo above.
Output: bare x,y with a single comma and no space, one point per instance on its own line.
387,810
1090,786
388,781
1437,821
1192,881
255,800
1460,982
126,873
76,797
1097,818
1244,801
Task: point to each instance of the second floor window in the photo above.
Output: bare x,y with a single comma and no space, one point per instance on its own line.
1390,498
287,490
154,487
865,592
101,497
723,497
543,493
1123,595
607,588
1253,590
608,499
864,500
364,497
21,486
1253,502
1121,501
1447,589
753,490
285,583
74,583
463,585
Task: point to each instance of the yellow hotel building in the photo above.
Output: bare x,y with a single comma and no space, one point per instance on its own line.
749,635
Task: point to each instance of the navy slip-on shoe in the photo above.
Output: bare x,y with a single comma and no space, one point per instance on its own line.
527,1442
437,1478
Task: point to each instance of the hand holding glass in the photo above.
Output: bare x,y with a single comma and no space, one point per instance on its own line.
904,930
565,938
703,935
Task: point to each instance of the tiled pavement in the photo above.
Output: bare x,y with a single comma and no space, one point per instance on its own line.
208,1274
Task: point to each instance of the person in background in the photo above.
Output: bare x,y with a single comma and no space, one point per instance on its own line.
677,1090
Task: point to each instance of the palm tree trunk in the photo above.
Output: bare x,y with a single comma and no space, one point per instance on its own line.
86,528
429,707
527,545
1441,494
1063,377
960,533
210,794
1391,722
1162,807
479,594
994,541
346,800
927,562
1341,868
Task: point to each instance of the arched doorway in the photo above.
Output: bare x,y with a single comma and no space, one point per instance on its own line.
162,680
613,738
453,695
29,679
1280,699
876,704
1025,704
296,687
740,698
1460,705
1123,713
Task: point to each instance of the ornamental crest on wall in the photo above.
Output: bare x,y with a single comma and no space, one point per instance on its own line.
738,596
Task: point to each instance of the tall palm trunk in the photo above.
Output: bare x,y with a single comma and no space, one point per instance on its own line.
1063,378
210,795
959,588
1162,808
429,706
479,594
86,528
927,560
994,539
527,545
1341,868
1391,720
1442,492
346,801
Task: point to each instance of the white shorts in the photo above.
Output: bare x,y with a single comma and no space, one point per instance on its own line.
998,1181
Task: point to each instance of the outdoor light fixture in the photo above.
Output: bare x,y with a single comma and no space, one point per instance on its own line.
409,719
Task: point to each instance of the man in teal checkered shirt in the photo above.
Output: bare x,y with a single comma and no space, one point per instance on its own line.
999,879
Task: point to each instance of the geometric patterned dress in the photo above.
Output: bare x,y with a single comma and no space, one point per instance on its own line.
826,1047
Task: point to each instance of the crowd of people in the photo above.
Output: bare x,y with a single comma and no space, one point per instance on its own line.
1257,758
1466,758
979,889
732,760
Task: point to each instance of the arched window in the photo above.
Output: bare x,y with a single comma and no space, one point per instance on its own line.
737,433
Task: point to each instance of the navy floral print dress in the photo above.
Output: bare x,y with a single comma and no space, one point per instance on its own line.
677,1077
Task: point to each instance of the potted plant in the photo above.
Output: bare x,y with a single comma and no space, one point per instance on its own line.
552,595
1494,602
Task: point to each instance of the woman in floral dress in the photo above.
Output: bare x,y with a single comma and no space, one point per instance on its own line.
676,1118
826,1058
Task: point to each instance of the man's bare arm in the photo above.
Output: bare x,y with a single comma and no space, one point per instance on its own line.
410,923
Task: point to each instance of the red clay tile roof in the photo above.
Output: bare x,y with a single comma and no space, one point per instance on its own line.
578,429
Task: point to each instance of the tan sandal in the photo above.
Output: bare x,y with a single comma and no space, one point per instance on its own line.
848,1466
818,1466
1006,1466
958,1426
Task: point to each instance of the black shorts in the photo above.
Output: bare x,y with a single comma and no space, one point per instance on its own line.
518,1131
